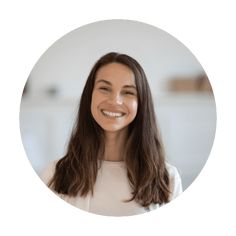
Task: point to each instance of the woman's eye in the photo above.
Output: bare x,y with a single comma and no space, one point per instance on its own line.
129,93
104,88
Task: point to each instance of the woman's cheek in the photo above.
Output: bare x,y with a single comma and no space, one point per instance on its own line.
133,107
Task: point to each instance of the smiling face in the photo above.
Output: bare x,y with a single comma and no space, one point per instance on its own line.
114,99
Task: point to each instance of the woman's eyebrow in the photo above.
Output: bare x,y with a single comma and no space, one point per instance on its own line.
130,86
109,83
104,81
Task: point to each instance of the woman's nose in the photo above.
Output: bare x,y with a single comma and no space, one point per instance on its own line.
116,98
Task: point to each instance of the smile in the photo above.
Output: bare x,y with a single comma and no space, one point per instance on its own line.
112,114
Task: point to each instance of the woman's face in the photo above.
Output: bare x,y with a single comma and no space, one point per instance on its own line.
114,98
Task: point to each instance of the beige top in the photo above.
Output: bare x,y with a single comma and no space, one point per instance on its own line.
111,188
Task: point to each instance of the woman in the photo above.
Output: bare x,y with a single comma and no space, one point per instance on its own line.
115,163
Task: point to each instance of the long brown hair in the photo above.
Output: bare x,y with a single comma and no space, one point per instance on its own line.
76,172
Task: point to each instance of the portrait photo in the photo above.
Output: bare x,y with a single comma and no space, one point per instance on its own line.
117,118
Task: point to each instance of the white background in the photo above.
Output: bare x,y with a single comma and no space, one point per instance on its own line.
28,28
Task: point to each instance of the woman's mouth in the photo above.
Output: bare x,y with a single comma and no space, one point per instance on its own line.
112,114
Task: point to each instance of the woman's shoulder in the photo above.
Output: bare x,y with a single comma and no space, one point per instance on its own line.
175,180
48,172
172,170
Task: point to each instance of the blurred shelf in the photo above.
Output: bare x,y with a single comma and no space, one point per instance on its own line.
174,98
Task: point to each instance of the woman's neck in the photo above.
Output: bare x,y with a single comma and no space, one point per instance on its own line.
115,145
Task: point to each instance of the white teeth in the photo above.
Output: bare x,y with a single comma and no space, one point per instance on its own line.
112,114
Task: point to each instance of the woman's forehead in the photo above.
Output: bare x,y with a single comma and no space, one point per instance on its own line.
115,73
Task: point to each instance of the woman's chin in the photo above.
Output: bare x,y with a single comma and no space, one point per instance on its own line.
113,128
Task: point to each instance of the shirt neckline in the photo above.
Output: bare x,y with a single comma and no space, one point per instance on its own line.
112,163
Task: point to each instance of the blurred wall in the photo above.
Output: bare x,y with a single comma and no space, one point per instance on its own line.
69,60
